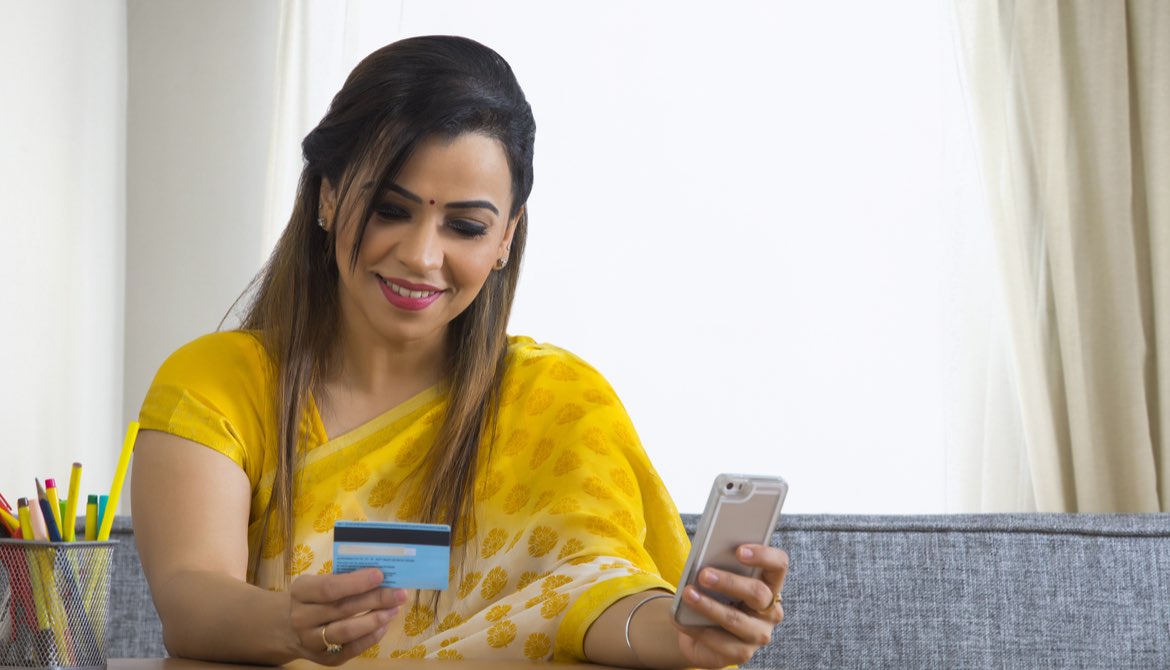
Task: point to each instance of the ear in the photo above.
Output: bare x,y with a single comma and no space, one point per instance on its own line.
506,243
327,199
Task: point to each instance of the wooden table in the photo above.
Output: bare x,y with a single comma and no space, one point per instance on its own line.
355,664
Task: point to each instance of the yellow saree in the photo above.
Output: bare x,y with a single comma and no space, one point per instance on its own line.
570,515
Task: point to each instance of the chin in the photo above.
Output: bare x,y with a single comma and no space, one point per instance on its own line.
406,334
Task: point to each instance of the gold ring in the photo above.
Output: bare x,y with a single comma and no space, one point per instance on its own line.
777,599
330,647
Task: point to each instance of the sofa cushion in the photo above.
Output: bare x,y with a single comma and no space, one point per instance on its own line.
980,591
135,630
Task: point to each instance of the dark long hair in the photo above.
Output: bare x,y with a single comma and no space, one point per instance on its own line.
395,98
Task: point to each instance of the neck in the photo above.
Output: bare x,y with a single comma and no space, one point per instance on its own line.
369,378
374,367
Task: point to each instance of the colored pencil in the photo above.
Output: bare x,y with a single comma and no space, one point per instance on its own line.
119,478
39,530
11,523
50,493
53,533
91,518
70,530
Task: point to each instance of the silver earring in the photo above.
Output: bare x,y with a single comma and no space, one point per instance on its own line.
321,222
502,263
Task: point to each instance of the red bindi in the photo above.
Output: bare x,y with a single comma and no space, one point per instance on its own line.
432,202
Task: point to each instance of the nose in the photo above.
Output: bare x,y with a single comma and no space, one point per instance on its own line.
421,249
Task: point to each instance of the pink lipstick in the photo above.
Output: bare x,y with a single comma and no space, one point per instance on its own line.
408,296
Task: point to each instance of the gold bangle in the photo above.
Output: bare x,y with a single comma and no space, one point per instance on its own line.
630,618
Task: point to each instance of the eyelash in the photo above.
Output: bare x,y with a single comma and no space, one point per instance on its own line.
461,227
468,229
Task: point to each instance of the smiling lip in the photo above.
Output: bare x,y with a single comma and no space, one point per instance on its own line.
405,295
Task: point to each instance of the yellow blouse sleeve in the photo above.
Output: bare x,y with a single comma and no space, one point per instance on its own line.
598,524
215,391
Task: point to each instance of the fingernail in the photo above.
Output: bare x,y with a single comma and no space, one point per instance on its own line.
744,552
692,595
709,578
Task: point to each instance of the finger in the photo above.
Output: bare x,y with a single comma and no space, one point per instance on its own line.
752,592
707,647
349,650
744,626
346,633
349,630
378,599
772,561
330,588
310,615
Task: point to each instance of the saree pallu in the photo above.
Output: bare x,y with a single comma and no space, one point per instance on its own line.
569,514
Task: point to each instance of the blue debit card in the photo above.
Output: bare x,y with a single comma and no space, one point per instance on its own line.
410,555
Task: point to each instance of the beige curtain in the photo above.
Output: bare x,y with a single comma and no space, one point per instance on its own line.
1071,107
318,43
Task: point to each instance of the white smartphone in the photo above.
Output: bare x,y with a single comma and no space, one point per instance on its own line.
741,509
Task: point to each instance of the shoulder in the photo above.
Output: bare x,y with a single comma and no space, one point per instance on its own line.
532,365
528,358
540,376
226,362
216,391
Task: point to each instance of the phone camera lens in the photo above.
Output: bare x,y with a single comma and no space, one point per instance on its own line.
729,486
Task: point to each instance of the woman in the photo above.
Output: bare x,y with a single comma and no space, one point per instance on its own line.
373,379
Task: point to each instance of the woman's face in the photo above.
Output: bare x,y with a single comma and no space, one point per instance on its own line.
434,237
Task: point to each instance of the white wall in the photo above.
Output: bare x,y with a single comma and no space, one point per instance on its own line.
738,218
751,217
62,208
201,78
744,215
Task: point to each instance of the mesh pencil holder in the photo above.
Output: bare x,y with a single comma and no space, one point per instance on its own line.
54,604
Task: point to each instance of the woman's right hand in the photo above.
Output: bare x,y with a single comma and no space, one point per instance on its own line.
351,611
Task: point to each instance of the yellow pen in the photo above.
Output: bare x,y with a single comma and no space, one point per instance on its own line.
91,518
26,528
119,478
69,528
54,500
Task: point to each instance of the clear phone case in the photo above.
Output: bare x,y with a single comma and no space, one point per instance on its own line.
741,509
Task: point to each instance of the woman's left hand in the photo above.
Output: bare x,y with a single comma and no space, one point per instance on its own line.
742,629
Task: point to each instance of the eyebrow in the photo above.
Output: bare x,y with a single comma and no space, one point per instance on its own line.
404,193
473,204
460,204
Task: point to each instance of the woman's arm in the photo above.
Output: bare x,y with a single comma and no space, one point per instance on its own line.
653,637
657,642
191,507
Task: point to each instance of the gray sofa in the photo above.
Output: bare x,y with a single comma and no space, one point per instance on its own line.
982,591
